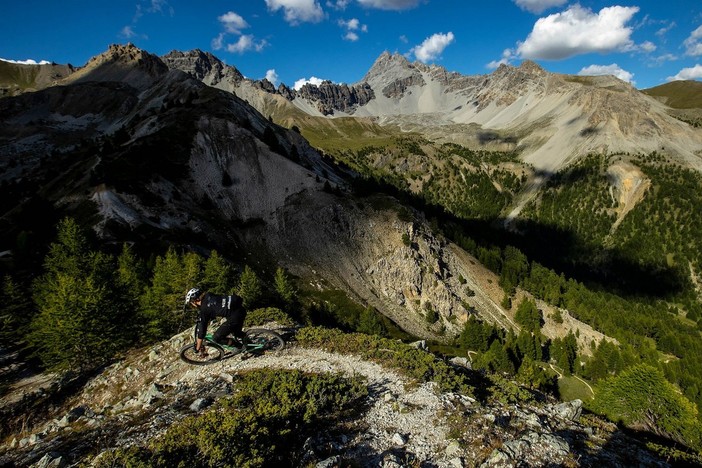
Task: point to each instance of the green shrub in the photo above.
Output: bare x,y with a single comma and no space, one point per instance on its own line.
414,363
264,423
262,316
642,397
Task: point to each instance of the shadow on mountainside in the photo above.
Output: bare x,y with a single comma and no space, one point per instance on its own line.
560,250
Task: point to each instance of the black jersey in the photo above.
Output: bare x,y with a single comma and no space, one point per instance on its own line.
215,305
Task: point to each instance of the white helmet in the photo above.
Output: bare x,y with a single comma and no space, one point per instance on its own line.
193,294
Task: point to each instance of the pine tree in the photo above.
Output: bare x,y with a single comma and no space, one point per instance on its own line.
162,303
533,375
474,336
529,316
129,287
80,320
216,275
642,397
496,359
250,288
287,293
369,323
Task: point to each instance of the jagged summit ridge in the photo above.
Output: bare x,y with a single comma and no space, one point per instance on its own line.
204,66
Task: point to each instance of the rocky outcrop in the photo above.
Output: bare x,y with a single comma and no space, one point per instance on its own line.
203,66
265,85
286,92
397,88
330,97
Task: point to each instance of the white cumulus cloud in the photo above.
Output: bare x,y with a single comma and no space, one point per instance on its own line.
246,43
389,4
272,76
338,4
579,30
692,73
613,69
298,11
303,81
507,55
26,62
693,44
232,22
538,6
433,46
352,26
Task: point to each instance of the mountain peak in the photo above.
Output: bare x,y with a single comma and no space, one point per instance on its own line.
122,62
124,54
387,64
531,67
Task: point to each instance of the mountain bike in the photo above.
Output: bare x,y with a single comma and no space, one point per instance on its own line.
258,341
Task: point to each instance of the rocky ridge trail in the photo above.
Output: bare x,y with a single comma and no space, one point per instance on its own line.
405,424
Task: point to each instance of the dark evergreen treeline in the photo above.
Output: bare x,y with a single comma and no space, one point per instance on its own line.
87,305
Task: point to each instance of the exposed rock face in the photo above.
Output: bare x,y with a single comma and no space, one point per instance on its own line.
397,88
265,85
203,66
331,97
286,92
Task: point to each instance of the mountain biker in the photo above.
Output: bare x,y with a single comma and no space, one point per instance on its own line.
210,306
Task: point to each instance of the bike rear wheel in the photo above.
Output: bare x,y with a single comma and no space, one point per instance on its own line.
214,353
265,340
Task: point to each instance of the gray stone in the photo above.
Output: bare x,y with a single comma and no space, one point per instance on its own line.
50,460
421,344
498,458
200,404
229,378
453,448
461,362
569,411
398,439
329,462
152,394
532,421
555,444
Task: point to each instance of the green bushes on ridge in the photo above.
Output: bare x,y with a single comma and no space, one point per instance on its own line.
264,423
415,363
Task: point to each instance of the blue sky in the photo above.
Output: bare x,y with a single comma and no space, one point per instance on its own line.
645,42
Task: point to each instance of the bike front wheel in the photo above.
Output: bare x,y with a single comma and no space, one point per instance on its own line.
265,340
214,353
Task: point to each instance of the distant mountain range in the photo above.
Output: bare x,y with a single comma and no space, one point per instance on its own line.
550,118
